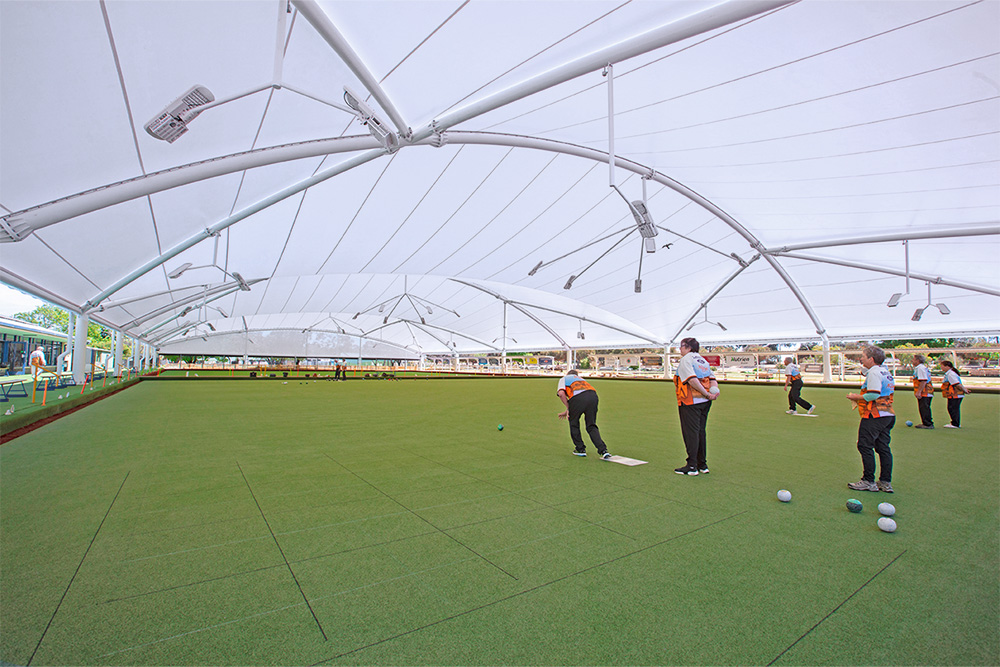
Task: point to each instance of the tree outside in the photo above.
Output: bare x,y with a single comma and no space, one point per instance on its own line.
57,319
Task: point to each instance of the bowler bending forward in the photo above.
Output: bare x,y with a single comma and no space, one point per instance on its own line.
581,399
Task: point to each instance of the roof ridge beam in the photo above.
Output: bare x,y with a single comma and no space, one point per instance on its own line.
937,280
688,26
982,229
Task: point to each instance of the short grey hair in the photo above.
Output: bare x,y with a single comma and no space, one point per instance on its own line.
919,358
874,353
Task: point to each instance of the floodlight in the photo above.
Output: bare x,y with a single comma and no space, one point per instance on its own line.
210,326
644,221
176,273
581,335
186,311
894,299
943,308
378,129
430,311
569,283
243,283
172,122
917,314
537,266
638,285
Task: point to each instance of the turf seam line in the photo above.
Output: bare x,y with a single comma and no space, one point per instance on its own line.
834,610
265,568
442,531
77,571
282,552
520,494
529,590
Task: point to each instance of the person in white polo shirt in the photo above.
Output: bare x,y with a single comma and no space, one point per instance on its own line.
696,389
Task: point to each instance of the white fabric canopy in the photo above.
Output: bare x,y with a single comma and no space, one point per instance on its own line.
785,151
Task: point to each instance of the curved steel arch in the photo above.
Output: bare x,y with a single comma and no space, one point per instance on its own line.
465,137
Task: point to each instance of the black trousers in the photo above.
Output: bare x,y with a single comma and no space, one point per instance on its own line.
793,396
955,411
585,404
694,419
924,405
873,437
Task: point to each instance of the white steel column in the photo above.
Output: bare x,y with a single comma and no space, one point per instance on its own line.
827,374
80,350
119,347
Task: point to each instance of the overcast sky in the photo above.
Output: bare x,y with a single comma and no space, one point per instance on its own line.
15,301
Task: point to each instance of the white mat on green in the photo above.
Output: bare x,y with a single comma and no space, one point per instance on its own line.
624,460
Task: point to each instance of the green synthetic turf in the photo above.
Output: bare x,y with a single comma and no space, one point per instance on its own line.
391,523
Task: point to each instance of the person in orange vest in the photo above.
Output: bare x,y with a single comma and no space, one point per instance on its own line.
877,420
953,389
696,388
581,399
923,389
793,378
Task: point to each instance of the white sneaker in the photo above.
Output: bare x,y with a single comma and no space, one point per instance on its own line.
951,426
789,412
810,410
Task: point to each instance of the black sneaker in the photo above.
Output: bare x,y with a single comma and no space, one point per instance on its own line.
923,426
686,470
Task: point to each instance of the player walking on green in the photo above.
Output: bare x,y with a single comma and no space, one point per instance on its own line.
793,378
580,399
877,420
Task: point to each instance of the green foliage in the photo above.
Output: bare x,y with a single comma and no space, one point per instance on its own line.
921,342
57,319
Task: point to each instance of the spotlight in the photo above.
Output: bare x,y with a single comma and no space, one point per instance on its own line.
172,122
186,311
210,326
176,273
916,315
638,285
943,308
537,266
243,283
894,299
378,129
644,221
569,283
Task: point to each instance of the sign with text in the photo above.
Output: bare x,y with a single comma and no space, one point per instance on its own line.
740,360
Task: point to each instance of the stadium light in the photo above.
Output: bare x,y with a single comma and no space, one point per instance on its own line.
172,121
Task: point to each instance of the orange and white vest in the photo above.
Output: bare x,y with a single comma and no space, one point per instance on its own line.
574,386
883,382
919,375
950,389
692,365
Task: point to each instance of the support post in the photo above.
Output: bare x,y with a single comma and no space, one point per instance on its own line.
80,350
119,348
